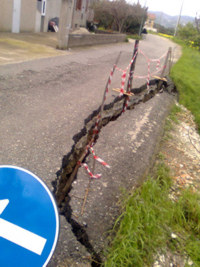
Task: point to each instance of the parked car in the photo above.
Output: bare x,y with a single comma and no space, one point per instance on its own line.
53,24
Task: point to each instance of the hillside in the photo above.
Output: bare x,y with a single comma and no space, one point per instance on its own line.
170,21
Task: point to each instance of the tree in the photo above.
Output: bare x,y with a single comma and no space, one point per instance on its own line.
119,15
120,11
102,15
138,16
162,29
187,32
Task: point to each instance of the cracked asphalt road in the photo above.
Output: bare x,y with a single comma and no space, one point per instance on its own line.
43,104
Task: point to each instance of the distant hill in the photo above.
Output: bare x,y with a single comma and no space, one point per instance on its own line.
170,21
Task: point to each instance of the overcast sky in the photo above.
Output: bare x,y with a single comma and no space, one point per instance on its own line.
172,7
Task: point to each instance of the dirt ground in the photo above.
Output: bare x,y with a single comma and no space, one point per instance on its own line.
181,150
15,48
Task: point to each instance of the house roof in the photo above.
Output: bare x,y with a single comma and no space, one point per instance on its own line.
151,16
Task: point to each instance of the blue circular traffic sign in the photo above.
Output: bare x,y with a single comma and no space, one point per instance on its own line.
29,221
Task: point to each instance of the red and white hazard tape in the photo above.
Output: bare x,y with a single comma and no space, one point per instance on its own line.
96,128
123,81
109,83
149,74
126,69
148,77
126,104
152,59
99,159
158,65
132,60
92,176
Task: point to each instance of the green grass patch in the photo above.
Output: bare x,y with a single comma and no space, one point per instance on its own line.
134,36
185,74
170,120
148,220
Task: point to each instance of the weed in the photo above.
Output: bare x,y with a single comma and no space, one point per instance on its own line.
134,36
169,122
148,221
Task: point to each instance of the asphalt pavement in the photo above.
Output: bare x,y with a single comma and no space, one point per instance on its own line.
44,103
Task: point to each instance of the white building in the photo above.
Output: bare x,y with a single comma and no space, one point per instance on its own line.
33,15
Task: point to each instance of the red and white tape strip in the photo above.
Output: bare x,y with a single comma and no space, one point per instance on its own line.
142,53
148,77
99,159
109,83
126,104
92,176
122,83
96,127
132,60
152,59
158,65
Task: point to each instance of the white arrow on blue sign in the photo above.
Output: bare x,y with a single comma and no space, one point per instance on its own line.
29,221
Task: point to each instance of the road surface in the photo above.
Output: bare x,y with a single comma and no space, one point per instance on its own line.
44,104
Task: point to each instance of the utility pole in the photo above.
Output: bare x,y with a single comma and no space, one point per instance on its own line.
178,21
65,21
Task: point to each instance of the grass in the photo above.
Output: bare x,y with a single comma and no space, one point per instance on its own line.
134,36
149,215
185,75
170,120
149,218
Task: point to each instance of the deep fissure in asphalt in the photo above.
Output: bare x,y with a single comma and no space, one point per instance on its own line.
69,162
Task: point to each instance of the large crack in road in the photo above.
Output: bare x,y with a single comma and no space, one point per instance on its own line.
70,163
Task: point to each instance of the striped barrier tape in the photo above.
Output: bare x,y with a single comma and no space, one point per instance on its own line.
126,103
122,91
148,77
99,159
124,74
96,127
92,176
122,83
126,69
152,59
158,64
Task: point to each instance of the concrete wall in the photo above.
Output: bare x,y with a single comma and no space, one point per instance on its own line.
76,40
37,21
28,15
6,11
